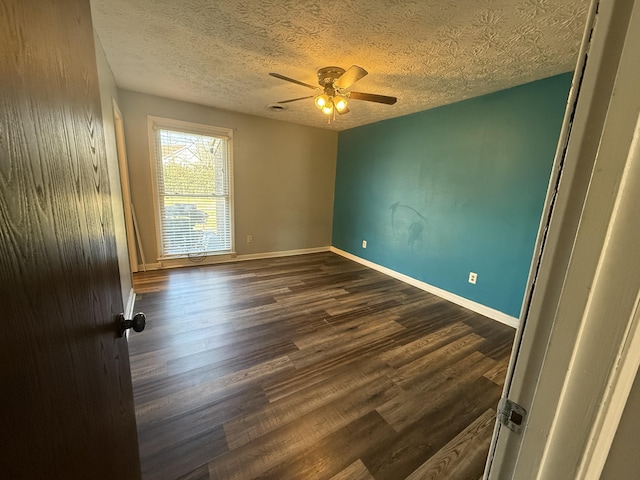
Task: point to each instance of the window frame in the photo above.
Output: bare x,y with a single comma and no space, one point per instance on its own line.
155,123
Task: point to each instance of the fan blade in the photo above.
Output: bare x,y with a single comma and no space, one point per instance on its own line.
282,77
351,76
296,99
372,97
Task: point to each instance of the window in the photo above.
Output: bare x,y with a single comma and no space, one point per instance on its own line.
192,170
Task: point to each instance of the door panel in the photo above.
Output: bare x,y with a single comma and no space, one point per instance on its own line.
66,399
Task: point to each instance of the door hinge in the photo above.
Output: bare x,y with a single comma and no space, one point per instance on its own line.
511,415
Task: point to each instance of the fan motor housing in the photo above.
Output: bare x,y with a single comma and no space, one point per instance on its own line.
328,75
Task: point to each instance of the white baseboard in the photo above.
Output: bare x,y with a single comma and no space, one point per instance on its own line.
286,253
452,297
149,266
215,259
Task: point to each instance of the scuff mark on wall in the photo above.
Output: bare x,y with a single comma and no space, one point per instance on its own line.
405,218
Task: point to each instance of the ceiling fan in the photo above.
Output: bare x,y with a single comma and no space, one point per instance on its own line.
332,96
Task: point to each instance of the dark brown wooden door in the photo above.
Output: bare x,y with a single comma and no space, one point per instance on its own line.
66,408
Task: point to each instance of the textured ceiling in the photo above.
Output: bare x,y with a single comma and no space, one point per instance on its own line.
427,52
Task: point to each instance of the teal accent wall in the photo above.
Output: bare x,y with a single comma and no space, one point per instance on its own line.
455,189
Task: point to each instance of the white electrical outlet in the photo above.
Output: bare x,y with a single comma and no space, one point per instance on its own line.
473,277
364,244
249,238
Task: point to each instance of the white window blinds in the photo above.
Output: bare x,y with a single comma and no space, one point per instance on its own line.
193,179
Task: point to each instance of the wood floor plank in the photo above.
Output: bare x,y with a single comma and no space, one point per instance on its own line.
243,429
231,358
498,373
309,367
290,383
335,452
289,440
404,354
358,335
462,457
202,393
201,340
349,331
364,300
370,308
441,389
156,368
200,473
154,437
171,463
355,471
430,363
405,453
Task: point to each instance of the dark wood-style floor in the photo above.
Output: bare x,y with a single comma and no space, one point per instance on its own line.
311,367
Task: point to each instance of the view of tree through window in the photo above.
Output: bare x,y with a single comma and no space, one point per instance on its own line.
193,191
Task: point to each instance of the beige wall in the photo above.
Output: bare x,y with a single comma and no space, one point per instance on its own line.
109,92
284,175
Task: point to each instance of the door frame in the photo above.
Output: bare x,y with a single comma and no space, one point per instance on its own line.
125,185
566,394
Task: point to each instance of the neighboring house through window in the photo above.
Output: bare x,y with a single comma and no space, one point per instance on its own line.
192,167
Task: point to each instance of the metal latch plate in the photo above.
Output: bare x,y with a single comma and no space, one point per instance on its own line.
511,415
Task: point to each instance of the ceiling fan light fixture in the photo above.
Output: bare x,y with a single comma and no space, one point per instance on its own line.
321,101
340,102
332,97
328,108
